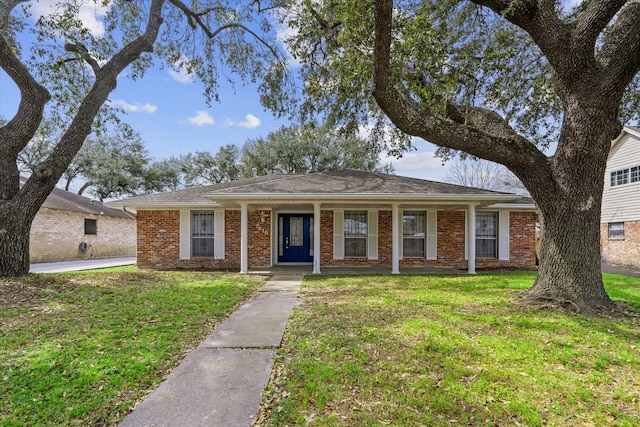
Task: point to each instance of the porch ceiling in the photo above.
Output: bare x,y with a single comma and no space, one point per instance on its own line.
298,206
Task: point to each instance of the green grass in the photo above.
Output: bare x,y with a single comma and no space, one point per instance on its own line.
452,350
82,348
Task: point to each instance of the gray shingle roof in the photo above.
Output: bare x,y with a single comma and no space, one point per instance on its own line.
349,182
335,183
194,195
66,201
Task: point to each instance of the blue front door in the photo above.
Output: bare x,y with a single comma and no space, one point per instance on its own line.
295,233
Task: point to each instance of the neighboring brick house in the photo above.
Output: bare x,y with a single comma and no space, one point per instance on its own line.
69,227
620,222
341,218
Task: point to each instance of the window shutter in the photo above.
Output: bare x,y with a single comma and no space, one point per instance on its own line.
432,234
185,234
372,235
338,234
466,235
218,235
503,235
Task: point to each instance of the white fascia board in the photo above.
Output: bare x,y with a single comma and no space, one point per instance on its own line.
512,206
625,131
162,206
328,197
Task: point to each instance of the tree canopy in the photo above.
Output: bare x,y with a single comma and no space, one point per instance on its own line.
498,79
310,148
67,70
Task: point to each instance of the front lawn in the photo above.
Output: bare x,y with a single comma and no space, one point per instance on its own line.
451,350
82,348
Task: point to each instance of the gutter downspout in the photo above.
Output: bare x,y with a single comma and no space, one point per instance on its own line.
130,214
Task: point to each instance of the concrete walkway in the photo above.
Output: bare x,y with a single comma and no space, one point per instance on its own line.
85,264
220,383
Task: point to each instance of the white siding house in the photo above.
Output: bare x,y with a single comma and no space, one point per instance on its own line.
620,222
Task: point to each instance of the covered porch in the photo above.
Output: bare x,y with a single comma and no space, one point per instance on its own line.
280,233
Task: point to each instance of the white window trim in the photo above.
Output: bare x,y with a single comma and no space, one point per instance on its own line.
503,236
218,233
372,235
338,234
432,235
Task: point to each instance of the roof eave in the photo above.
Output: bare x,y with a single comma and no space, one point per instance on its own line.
161,205
363,197
625,131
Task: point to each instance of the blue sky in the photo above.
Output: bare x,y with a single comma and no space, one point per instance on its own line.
169,111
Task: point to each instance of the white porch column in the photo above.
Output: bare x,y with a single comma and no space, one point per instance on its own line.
395,238
244,233
471,235
316,238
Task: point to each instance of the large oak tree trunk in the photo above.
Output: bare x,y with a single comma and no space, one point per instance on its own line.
570,271
14,241
570,212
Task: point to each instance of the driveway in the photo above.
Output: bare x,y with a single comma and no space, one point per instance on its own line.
623,270
89,264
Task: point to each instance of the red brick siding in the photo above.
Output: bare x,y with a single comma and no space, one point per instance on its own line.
259,238
622,251
158,241
232,238
522,240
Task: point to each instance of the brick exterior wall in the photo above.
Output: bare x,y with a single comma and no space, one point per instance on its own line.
159,241
259,238
56,236
159,235
622,251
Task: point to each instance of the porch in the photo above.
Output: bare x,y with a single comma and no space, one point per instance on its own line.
352,270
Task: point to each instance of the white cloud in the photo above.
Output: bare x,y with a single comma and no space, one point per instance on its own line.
250,122
202,118
179,73
134,108
418,164
90,14
284,32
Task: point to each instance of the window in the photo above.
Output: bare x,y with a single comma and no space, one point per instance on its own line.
620,177
355,233
413,234
202,233
616,230
635,174
91,226
486,235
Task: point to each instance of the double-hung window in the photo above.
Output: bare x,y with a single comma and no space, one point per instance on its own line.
487,234
616,230
355,233
620,177
202,234
413,234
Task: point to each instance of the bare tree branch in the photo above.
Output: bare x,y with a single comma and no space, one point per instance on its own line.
593,20
195,20
540,21
621,50
6,6
477,131
71,141
84,54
